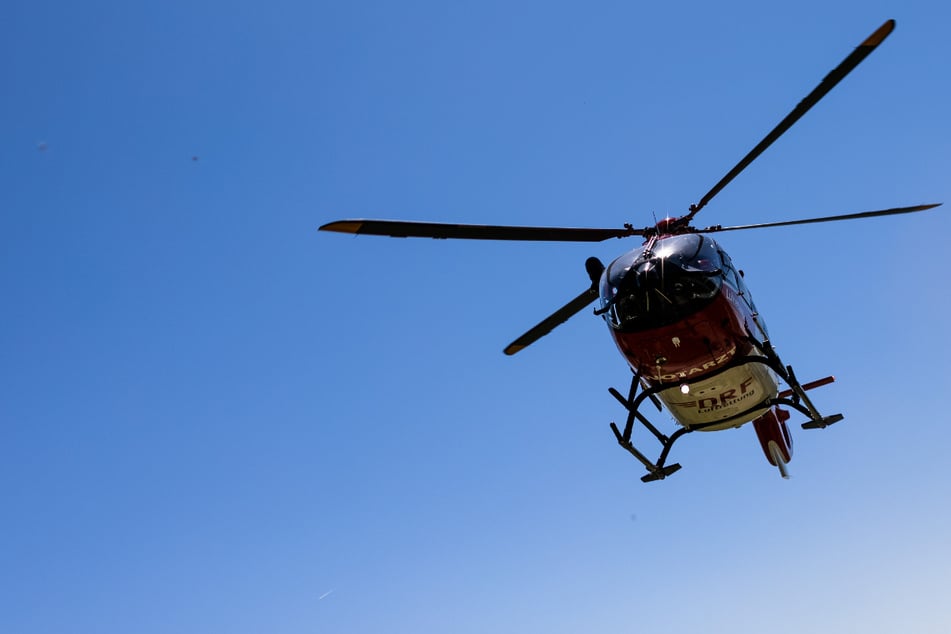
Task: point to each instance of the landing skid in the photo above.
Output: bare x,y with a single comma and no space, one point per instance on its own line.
795,397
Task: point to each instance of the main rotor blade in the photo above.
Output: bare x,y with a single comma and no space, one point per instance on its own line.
827,84
862,214
557,318
404,229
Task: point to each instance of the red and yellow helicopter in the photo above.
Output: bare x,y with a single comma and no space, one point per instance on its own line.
680,313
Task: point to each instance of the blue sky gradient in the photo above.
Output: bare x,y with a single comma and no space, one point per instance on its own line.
215,418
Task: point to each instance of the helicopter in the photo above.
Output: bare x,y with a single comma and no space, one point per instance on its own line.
680,313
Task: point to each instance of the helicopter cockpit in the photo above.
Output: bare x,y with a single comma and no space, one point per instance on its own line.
661,283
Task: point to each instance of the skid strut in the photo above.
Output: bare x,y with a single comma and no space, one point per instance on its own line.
795,396
656,470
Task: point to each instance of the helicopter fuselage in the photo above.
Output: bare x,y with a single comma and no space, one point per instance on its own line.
682,317
679,311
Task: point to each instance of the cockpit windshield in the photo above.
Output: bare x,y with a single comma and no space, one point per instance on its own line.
661,283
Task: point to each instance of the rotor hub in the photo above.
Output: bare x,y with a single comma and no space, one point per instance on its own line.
669,226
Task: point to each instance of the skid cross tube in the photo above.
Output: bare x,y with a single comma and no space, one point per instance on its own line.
800,400
633,413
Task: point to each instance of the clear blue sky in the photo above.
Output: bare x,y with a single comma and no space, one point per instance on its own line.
216,419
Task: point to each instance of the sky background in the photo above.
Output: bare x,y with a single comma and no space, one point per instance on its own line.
214,418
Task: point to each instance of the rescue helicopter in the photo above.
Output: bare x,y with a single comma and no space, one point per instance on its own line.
680,313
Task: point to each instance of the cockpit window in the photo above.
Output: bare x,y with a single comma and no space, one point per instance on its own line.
647,289
691,251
